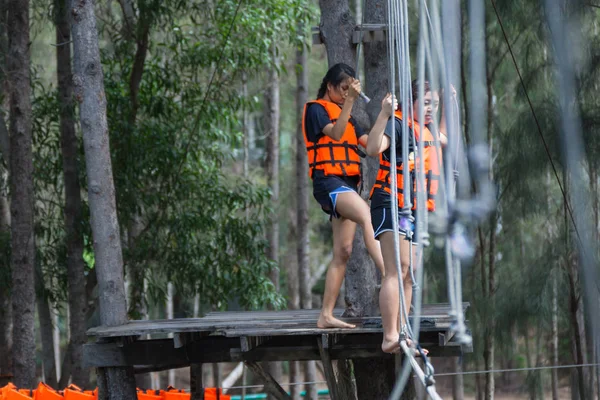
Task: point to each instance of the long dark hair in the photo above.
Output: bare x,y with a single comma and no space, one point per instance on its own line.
336,75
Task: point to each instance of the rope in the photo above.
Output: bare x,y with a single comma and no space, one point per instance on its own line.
497,371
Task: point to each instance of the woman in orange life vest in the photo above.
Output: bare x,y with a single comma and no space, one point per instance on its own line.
381,216
332,137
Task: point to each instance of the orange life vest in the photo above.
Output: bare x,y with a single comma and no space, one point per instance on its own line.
432,159
333,157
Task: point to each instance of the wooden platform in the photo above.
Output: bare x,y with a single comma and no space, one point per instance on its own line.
254,336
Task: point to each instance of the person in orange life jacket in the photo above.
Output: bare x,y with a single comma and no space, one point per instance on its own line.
381,216
332,137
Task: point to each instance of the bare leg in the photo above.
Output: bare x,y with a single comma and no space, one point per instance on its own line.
353,207
389,296
407,280
343,234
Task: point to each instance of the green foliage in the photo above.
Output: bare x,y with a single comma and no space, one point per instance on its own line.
201,225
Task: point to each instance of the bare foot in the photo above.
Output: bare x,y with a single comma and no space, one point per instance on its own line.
332,322
390,346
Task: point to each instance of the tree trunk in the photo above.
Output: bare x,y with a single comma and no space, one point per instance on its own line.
135,226
5,306
22,201
5,299
458,387
272,113
554,335
302,187
489,340
293,291
117,383
46,331
73,206
170,314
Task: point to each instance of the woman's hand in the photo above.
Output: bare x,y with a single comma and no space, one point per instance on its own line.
354,89
388,105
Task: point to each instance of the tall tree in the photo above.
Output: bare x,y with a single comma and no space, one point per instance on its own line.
5,306
302,185
118,383
73,204
21,189
272,117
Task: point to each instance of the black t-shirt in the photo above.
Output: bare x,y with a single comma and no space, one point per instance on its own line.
317,119
381,198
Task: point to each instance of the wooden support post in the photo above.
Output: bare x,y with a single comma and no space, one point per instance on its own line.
271,386
196,383
324,347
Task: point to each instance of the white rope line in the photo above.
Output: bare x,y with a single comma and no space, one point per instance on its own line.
491,371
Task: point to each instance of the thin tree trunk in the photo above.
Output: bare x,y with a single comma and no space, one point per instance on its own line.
5,299
554,335
302,186
136,271
245,126
272,113
458,387
170,311
117,383
22,201
56,339
46,331
293,292
73,206
5,304
489,340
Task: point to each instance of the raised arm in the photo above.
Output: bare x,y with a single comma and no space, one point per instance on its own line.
378,142
336,130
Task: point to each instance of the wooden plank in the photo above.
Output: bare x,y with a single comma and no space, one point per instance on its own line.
256,321
323,343
196,383
271,385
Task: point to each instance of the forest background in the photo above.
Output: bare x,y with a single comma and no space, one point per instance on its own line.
212,191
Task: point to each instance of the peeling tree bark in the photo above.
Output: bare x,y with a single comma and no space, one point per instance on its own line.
117,383
22,202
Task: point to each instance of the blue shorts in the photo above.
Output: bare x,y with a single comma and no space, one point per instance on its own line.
381,218
327,188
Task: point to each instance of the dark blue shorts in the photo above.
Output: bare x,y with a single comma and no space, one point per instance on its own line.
381,218
327,188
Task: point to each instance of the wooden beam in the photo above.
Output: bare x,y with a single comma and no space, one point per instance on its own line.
323,343
368,33
161,353
271,386
248,343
